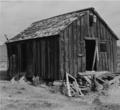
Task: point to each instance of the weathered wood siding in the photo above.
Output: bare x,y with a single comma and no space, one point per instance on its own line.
107,60
36,57
72,46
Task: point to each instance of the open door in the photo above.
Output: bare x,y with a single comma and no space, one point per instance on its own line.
91,58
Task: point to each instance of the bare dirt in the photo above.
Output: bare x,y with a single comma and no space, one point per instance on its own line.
26,97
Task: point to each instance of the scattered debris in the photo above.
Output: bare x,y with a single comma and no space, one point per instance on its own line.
89,81
36,80
13,81
83,83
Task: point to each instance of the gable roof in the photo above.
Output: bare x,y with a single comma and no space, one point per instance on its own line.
52,26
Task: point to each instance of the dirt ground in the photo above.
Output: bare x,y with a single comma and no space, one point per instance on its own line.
26,97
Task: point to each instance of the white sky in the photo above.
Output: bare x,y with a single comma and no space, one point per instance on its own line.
15,16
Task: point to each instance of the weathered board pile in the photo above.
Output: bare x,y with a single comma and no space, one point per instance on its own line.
89,82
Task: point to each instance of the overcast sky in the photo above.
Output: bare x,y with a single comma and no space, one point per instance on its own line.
15,16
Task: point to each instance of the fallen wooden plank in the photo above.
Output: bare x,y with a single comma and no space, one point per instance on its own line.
68,85
76,86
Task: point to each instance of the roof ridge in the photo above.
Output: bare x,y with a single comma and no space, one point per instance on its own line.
85,9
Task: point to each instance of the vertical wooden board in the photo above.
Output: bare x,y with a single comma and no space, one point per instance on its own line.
105,61
36,58
116,55
101,31
104,32
110,53
113,52
99,37
83,57
103,64
34,55
82,28
76,42
57,59
70,50
101,61
52,58
38,54
18,58
68,47
66,50
82,44
95,29
42,58
44,51
75,48
78,45
62,55
48,56
87,24
39,58
100,27
113,55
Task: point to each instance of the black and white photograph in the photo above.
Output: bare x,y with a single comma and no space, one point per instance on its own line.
59,55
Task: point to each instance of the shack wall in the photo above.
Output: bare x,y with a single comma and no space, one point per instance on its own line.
72,46
35,57
107,60
73,50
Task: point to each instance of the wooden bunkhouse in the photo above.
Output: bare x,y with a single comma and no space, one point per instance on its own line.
73,42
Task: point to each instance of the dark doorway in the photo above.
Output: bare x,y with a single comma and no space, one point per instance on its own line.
90,51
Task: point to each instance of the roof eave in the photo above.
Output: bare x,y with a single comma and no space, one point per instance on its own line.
29,39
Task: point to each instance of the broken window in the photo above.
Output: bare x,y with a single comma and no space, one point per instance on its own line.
103,47
92,19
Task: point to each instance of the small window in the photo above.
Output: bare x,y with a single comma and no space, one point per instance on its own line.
103,47
90,20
